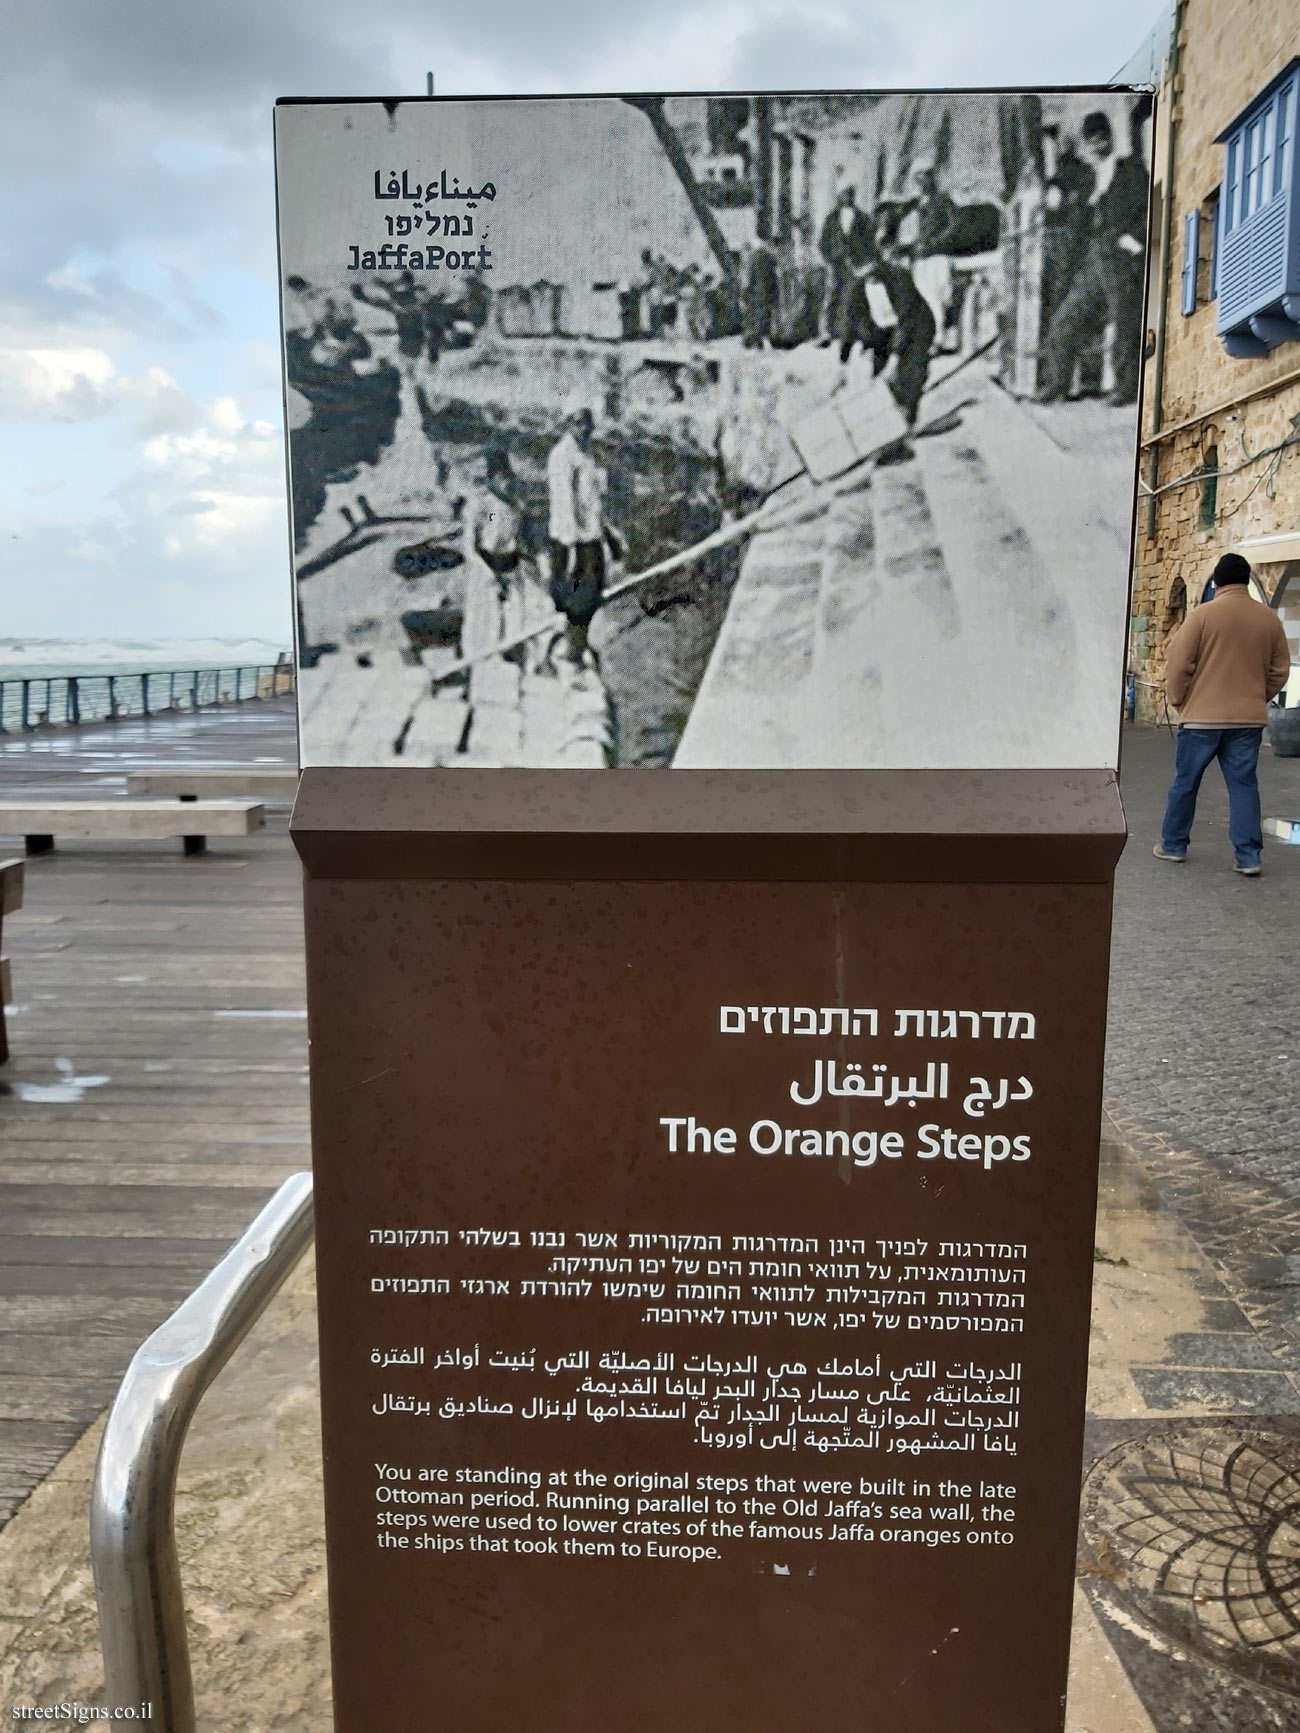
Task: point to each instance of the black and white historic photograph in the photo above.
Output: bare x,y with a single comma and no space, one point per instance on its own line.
779,431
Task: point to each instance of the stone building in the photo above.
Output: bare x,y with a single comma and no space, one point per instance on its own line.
1220,458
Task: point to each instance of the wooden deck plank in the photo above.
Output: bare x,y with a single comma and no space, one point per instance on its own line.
194,1173
111,1251
56,1400
169,1283
62,1356
127,1317
145,1130
90,1118
28,1451
136,1200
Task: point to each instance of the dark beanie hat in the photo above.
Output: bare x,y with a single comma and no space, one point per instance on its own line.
1231,569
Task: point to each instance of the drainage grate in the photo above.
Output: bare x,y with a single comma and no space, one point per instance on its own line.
1196,1525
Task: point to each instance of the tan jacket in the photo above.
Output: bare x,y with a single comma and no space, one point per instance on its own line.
1226,661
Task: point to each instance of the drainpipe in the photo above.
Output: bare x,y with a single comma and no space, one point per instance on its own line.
1166,246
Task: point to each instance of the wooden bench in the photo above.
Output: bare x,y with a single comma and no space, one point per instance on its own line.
11,899
40,821
254,783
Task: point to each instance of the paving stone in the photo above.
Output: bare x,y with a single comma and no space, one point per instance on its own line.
1203,1051
1221,1348
1173,1388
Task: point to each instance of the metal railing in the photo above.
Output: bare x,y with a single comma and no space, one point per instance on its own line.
31,701
132,1508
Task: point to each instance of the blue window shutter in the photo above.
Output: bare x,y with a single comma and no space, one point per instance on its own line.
1256,269
1191,247
1216,223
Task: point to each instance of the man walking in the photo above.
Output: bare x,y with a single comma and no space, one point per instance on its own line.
1221,668
578,533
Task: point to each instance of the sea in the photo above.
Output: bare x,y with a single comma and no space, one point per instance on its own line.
55,658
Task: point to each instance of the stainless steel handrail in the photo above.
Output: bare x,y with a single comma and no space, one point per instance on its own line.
132,1509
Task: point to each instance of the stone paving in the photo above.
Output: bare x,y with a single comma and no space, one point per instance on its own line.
1187,1565
1203,1053
1190,1467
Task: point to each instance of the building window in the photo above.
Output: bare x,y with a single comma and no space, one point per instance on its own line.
1176,607
1208,262
1191,259
1256,267
1200,254
1210,488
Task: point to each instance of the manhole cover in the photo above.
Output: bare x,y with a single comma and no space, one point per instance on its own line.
1195,1527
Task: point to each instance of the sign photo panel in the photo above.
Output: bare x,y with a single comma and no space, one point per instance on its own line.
792,431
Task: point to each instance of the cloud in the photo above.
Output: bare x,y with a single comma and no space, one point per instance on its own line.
80,383
210,461
56,384
219,484
794,48
202,312
71,278
198,521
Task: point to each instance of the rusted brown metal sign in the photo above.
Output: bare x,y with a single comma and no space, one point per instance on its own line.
704,1252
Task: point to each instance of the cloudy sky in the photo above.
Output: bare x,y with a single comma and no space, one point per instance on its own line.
142,482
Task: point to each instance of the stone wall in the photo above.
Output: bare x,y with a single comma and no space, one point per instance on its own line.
1229,50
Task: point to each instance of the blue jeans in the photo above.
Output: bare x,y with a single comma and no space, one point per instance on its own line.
1237,750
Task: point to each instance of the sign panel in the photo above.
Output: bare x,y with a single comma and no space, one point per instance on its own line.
705,1348
706,1163
770,432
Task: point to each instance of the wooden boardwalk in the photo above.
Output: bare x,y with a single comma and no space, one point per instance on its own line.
156,1092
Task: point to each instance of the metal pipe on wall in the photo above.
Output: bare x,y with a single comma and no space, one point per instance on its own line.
1166,245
